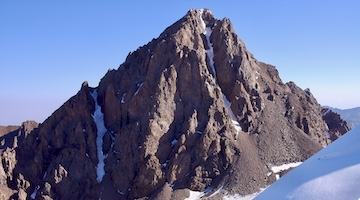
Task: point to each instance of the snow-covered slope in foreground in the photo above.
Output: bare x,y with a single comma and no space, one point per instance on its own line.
332,173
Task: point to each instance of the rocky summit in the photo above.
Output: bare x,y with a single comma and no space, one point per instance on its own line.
191,110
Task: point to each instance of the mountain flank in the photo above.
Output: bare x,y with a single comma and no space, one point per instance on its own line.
191,110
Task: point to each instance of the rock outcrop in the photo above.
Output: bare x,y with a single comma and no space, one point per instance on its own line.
192,109
337,125
10,138
351,115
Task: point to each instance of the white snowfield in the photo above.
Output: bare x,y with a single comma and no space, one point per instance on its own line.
332,173
101,130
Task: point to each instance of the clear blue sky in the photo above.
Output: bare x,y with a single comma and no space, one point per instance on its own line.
48,48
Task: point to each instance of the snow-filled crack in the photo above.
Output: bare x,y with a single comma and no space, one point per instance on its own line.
139,85
123,98
210,54
98,117
232,116
174,142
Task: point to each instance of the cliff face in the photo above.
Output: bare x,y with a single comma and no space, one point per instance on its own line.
190,109
337,125
352,115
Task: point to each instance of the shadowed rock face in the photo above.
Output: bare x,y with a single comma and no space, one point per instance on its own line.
337,126
171,111
57,159
12,136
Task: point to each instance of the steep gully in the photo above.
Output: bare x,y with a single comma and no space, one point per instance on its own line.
210,54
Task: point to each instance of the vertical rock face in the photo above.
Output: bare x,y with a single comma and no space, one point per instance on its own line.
190,109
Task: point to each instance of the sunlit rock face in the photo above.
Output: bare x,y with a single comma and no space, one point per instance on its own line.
192,109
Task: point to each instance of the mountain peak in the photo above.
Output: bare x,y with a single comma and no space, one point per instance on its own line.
195,20
191,109
204,15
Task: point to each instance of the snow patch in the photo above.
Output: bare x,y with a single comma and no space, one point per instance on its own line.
98,117
33,195
277,169
217,191
173,142
210,52
139,87
164,165
240,197
325,112
230,112
195,195
201,19
277,176
257,74
123,98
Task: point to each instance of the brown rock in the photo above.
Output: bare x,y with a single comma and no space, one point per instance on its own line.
164,193
7,129
59,157
12,136
171,113
337,126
